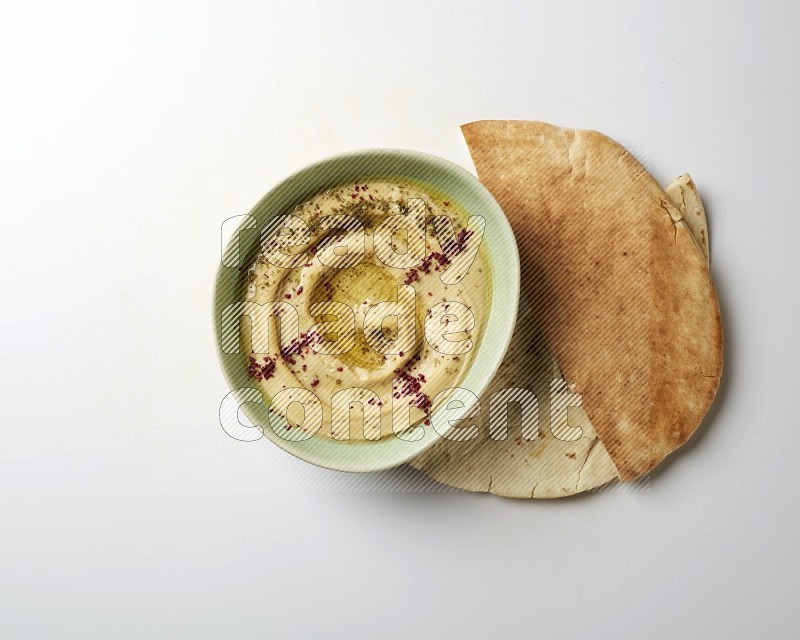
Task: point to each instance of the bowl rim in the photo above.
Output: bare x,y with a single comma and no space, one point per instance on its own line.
352,455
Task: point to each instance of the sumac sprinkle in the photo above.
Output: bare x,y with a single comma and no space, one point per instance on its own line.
259,371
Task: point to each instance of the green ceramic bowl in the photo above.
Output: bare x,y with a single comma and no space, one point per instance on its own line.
439,177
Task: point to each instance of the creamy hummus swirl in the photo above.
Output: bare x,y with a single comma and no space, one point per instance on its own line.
320,270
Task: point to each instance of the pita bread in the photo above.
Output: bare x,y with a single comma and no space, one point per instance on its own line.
683,194
515,467
639,340
546,467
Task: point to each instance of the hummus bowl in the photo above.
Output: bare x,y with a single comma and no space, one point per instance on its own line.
409,300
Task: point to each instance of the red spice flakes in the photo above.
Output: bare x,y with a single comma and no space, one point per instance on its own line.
370,197
364,188
411,276
261,371
454,247
412,386
440,257
299,346
435,260
340,368
354,195
427,421
446,203
462,237
299,290
315,382
254,370
422,401
287,295
357,187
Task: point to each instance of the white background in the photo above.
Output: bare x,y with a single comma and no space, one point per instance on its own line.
130,131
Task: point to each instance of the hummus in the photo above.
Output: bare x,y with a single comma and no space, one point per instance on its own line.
378,292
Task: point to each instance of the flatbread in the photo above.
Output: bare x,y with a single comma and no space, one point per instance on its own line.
519,467
683,194
638,339
546,467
